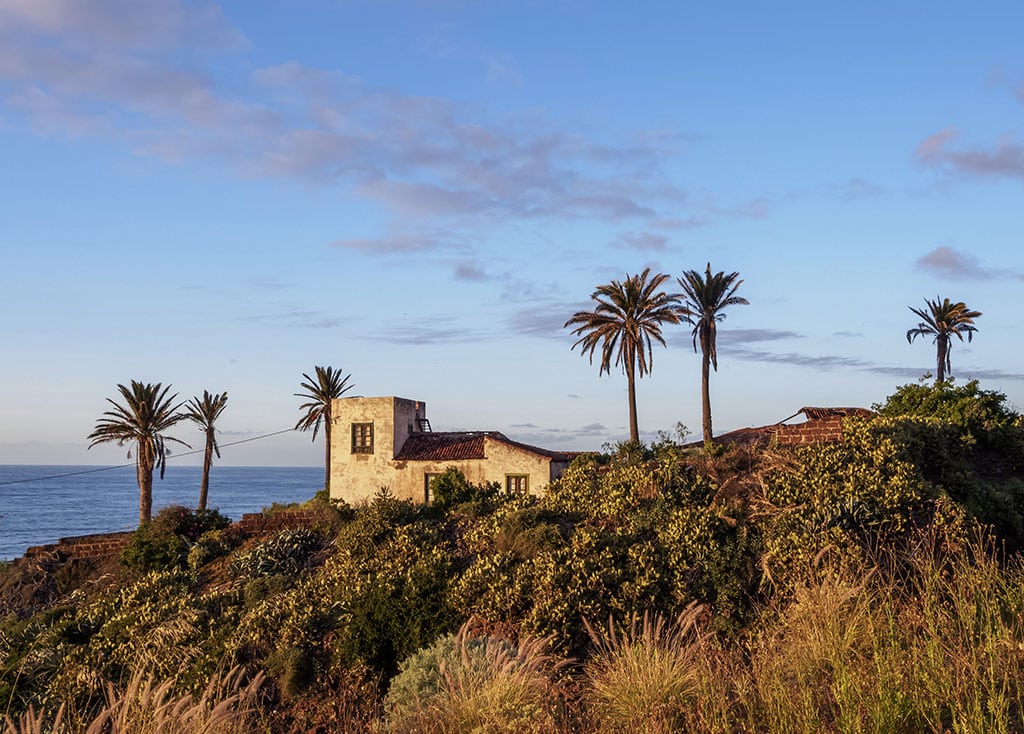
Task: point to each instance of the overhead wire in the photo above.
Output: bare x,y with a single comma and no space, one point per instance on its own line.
128,464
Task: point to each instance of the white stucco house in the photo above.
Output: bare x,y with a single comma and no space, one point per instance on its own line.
387,442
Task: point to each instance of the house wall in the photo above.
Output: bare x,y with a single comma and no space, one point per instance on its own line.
409,477
357,476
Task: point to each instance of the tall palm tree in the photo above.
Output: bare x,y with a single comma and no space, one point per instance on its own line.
328,385
204,413
940,321
628,315
706,296
146,413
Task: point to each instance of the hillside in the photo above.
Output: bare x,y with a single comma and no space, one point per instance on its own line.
872,583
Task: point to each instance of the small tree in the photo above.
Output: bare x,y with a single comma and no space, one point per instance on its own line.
204,413
141,421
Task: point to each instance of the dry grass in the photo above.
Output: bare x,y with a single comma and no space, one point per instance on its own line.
226,706
493,687
644,677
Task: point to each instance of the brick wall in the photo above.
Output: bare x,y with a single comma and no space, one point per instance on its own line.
257,523
815,431
105,545
83,547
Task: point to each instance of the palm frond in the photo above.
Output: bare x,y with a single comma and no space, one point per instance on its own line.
626,321
706,296
328,385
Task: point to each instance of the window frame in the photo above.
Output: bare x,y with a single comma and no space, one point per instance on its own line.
362,438
523,479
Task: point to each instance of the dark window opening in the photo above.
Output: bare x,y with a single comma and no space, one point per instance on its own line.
517,483
362,438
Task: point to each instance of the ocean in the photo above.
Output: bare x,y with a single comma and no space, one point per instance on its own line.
79,500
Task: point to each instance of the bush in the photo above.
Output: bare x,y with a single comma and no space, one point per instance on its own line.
451,488
285,553
163,543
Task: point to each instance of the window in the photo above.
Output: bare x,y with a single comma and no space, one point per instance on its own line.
517,483
362,438
428,493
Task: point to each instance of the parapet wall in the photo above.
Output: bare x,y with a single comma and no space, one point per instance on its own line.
105,545
83,547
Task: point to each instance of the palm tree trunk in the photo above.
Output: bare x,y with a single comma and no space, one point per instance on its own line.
705,392
144,473
327,452
634,428
204,486
942,346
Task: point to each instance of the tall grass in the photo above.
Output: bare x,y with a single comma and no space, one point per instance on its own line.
228,705
931,639
644,677
490,686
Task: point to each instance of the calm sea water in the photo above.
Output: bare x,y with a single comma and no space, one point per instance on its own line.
40,512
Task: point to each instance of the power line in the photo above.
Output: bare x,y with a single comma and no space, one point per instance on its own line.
124,466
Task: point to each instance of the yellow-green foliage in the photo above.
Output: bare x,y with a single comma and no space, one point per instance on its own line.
837,495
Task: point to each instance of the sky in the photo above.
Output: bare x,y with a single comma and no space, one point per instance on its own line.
220,196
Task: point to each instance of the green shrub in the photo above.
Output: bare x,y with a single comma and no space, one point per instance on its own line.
452,488
285,553
164,542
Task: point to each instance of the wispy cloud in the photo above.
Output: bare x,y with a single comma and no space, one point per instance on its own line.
548,437
299,319
943,150
642,241
145,74
469,271
834,362
546,319
948,262
857,189
749,336
437,329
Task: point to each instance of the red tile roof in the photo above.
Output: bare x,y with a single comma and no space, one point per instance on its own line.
460,445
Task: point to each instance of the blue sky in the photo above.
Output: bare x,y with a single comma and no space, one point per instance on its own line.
221,196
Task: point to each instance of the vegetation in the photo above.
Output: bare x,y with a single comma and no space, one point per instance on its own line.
706,297
204,413
941,320
872,584
628,316
328,385
141,421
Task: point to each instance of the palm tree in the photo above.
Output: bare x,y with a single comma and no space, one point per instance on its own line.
204,413
706,296
942,320
146,413
627,317
328,385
